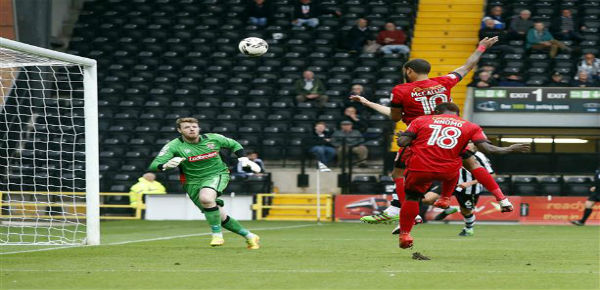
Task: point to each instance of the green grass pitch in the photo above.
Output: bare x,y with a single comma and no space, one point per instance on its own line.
302,255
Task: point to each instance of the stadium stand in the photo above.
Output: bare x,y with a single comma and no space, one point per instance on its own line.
513,64
183,56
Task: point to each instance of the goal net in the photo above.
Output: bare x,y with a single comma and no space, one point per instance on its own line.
48,147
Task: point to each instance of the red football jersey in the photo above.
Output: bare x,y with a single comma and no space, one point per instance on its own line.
439,140
420,98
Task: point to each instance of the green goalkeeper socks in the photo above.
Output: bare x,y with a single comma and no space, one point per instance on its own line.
234,226
213,217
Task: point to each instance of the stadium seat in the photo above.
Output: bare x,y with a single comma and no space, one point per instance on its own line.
525,185
365,184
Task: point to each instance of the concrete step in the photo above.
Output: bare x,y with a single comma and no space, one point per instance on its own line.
452,27
445,7
452,14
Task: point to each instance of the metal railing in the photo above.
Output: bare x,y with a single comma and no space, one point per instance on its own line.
264,203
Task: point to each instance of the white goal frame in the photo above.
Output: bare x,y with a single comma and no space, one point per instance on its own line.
92,176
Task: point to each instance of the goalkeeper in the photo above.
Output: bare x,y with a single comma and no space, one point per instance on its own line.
204,175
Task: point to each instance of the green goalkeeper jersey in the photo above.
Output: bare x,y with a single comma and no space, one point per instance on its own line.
202,159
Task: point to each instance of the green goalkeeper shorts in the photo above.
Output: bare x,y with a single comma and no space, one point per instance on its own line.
217,182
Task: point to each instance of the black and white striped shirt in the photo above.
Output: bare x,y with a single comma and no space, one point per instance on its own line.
465,175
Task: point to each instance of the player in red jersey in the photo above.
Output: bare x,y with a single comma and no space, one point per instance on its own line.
418,97
437,143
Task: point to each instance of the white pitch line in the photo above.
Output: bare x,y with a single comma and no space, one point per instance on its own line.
152,239
295,271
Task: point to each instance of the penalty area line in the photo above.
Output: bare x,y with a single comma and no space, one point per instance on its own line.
153,239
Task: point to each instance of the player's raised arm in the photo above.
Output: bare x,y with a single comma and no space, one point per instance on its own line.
474,58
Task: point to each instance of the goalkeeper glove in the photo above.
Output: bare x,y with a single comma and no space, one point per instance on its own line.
506,206
174,162
248,163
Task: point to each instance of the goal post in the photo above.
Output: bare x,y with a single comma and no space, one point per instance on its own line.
37,209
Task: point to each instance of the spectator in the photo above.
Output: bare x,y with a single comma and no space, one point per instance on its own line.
557,81
392,40
539,38
496,15
511,80
245,171
520,25
566,27
351,114
583,81
310,88
490,30
306,12
353,138
483,80
146,184
358,36
321,145
591,65
259,12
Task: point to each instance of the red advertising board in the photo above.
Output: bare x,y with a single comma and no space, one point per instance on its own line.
528,209
556,210
352,207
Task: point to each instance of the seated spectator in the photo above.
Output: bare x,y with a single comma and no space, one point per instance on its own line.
557,81
539,38
483,80
310,89
511,80
591,65
392,40
520,25
146,184
246,171
258,12
306,12
350,114
583,81
357,37
496,15
490,30
320,143
566,27
352,138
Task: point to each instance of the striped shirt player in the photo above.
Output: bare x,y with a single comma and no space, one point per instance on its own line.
467,196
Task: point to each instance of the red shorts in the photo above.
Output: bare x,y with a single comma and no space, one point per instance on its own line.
420,181
402,157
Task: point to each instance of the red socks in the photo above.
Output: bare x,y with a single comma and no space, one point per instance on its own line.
408,212
486,179
400,189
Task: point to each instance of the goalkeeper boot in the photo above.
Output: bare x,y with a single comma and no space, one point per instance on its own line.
442,202
217,241
466,232
253,242
382,218
406,241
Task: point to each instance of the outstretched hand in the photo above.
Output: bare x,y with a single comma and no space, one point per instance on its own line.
357,98
520,148
488,42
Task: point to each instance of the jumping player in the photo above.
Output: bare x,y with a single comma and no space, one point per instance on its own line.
418,97
467,193
437,143
204,175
